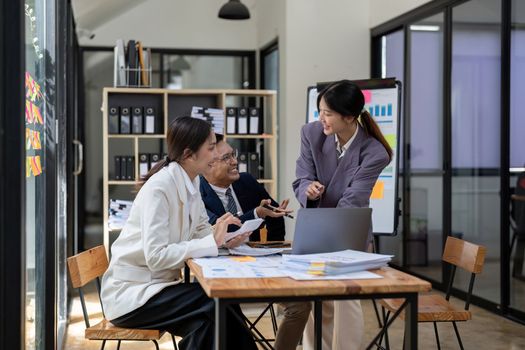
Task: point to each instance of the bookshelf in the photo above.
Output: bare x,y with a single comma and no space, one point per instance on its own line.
169,104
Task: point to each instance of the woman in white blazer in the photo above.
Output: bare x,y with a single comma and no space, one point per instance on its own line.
167,225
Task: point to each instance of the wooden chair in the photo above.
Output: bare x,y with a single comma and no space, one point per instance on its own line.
83,269
435,308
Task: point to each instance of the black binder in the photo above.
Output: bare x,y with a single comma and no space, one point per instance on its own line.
255,121
136,120
125,120
231,120
253,164
150,120
155,158
132,63
117,168
130,168
123,167
242,120
113,120
242,163
143,164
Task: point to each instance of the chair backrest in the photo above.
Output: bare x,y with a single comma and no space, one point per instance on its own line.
88,265
465,255
84,268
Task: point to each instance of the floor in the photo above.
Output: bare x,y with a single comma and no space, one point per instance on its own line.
484,331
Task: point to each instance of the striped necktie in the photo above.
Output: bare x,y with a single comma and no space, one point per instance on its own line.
232,207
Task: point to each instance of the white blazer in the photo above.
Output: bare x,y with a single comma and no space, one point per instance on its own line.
167,225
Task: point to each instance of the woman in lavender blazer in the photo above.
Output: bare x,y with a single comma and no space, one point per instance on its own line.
341,158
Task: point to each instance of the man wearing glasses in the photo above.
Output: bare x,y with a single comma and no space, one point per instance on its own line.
224,189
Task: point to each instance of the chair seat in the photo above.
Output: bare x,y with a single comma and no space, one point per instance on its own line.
431,308
105,330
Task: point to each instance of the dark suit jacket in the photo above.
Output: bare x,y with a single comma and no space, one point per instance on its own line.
249,193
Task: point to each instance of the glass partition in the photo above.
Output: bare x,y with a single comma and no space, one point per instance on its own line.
517,156
39,128
426,148
475,96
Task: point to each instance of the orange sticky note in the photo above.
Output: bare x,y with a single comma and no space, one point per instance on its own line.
378,190
243,258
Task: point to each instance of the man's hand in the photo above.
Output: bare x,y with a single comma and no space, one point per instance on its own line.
264,209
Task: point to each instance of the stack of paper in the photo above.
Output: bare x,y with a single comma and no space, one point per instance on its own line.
214,116
118,213
246,250
335,263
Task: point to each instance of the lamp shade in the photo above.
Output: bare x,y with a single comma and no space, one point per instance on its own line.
234,9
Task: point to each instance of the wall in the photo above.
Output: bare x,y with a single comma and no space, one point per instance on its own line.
325,41
165,23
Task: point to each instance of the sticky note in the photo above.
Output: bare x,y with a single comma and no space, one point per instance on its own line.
368,95
243,258
391,139
317,264
378,190
315,272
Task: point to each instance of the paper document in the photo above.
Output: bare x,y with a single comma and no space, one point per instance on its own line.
233,267
335,263
361,275
247,250
249,225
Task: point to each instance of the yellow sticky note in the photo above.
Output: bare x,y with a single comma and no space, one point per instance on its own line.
317,264
391,139
315,272
378,190
243,258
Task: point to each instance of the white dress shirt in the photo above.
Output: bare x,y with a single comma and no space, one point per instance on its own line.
221,193
343,149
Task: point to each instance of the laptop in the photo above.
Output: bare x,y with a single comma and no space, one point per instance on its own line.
324,230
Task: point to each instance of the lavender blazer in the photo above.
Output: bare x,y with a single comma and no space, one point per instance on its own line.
347,184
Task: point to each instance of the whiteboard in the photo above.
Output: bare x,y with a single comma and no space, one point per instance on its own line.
383,101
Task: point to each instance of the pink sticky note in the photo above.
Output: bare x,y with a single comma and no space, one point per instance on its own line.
368,96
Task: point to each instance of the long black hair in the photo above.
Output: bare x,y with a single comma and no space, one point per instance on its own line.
347,99
183,133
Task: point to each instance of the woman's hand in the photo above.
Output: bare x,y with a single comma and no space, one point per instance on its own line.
221,227
314,191
237,241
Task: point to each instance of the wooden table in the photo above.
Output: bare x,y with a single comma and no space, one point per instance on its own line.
395,284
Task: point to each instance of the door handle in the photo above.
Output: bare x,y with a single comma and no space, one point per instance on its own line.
80,164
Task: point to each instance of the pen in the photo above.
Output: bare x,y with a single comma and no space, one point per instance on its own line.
276,210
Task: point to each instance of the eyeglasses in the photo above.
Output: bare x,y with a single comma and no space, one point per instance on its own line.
228,157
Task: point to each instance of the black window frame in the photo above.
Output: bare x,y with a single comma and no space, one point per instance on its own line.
12,174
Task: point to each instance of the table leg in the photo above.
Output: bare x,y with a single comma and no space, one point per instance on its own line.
318,324
220,324
410,341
